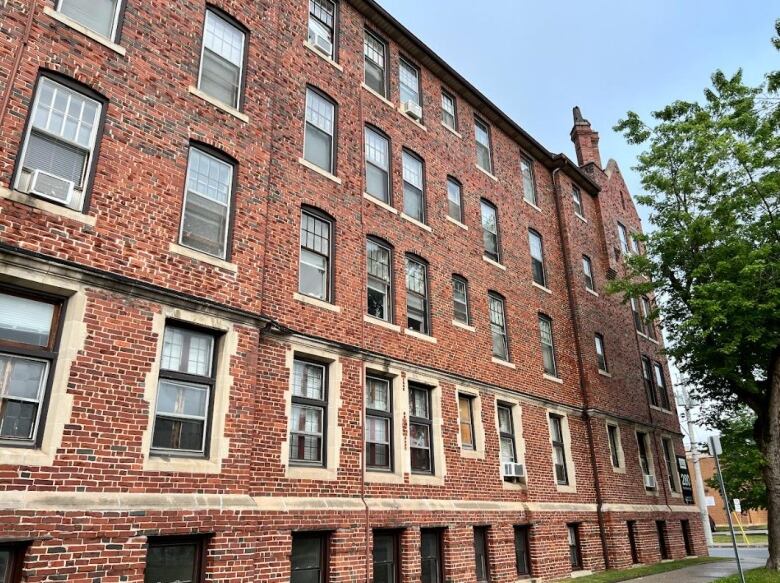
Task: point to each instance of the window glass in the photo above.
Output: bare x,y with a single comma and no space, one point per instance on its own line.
614,445
647,377
307,560
25,320
522,554
223,59
575,557
22,383
420,426
320,123
307,413
430,555
623,237
587,273
576,197
378,423
315,256
498,327
644,460
537,258
379,281
409,79
660,383
482,135
377,165
506,430
321,16
548,348
454,205
460,299
559,450
97,15
601,355
416,296
172,563
529,184
670,466
465,405
490,230
385,557
448,110
481,554
374,60
414,204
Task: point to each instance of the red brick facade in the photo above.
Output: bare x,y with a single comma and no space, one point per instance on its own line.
82,501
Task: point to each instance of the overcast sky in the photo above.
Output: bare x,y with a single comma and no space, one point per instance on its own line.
537,60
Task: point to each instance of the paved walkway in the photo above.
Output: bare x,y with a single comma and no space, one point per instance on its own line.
751,558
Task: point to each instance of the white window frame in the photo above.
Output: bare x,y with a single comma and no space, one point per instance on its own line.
239,93
114,23
405,64
332,166
479,124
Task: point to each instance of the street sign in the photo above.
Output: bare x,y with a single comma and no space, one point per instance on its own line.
685,479
715,448
737,505
710,500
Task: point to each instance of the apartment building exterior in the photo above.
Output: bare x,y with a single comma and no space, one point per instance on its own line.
284,298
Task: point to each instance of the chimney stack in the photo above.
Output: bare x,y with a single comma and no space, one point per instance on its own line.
586,141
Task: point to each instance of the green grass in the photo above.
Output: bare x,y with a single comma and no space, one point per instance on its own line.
753,539
612,576
754,576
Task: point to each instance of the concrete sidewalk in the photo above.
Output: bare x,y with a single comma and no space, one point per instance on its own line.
751,559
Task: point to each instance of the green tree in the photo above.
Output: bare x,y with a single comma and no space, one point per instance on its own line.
741,462
711,171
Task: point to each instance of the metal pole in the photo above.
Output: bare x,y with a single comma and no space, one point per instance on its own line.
699,483
728,508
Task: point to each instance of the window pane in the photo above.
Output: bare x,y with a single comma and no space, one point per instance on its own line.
379,271
317,148
220,79
321,21
537,257
308,380
507,450
430,555
375,77
171,563
454,200
420,443
64,113
466,425
55,157
306,435
374,56
96,15
482,136
460,300
448,110
418,403
490,229
384,558
306,561
529,188
378,394
377,165
22,381
180,399
409,83
24,320
187,351
413,186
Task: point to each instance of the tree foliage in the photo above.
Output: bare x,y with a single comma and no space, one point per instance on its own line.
741,462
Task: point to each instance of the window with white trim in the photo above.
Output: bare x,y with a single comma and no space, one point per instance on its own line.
460,299
409,82
309,410
454,200
321,35
375,63
448,111
538,270
559,450
315,267
379,423
318,143
548,346
506,431
644,458
207,199
484,153
28,352
185,391
587,273
377,149
601,353
222,61
529,181
576,199
380,297
59,149
417,308
466,419
99,16
490,238
420,429
623,238
414,186
498,326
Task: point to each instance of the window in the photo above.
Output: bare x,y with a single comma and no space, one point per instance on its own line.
559,450
322,15
537,258
172,559
613,433
380,304
377,165
60,147
460,299
498,326
374,60
660,383
576,199
548,346
601,353
386,556
685,525
309,558
638,324
506,431
575,550
409,82
28,351
414,201
490,230
635,248
631,526
222,60
417,309
481,564
623,237
420,429
522,550
484,156
466,417
454,200
448,111
430,556
100,16
647,377
309,405
669,460
314,276
185,391
379,423
207,199
647,310
587,273
320,127
660,527
529,182
644,459
11,560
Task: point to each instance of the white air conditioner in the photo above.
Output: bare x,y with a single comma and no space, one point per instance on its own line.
512,470
649,482
412,109
323,45
50,186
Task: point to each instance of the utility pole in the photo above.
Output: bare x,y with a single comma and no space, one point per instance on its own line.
716,450
684,400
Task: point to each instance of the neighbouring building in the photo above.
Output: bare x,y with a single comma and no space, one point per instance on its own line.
284,298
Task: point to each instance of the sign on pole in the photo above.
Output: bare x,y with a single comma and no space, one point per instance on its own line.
737,504
715,447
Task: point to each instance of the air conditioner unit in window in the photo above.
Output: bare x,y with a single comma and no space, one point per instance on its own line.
412,109
649,482
512,470
323,45
50,186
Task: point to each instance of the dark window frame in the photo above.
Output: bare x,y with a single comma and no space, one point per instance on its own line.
200,541
590,278
576,196
659,374
479,121
646,310
645,463
335,29
324,537
522,537
388,415
685,527
556,421
456,182
632,542
410,257
613,439
483,202
402,58
382,134
312,403
601,353
507,435
87,91
648,380
428,422
535,260
535,192
494,296
395,535
575,546
465,282
50,353
544,317
319,214
423,194
451,97
385,68
481,538
471,401
17,551
438,558
670,460
334,149
663,539
391,283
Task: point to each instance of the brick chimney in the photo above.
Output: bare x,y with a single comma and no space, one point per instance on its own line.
586,141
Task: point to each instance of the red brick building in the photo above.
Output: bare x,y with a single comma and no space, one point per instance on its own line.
284,298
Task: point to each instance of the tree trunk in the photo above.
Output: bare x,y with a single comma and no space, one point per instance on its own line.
771,450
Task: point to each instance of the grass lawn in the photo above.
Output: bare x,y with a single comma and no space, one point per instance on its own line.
754,576
644,570
755,539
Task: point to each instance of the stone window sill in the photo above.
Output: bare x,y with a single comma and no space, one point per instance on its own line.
605,373
457,223
202,257
532,205
553,379
218,104
380,203
47,207
494,263
505,363
414,121
416,222
325,58
316,303
661,410
592,292
98,38
541,287
382,98
486,173
464,326
420,336
452,131
580,217
320,171
382,323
